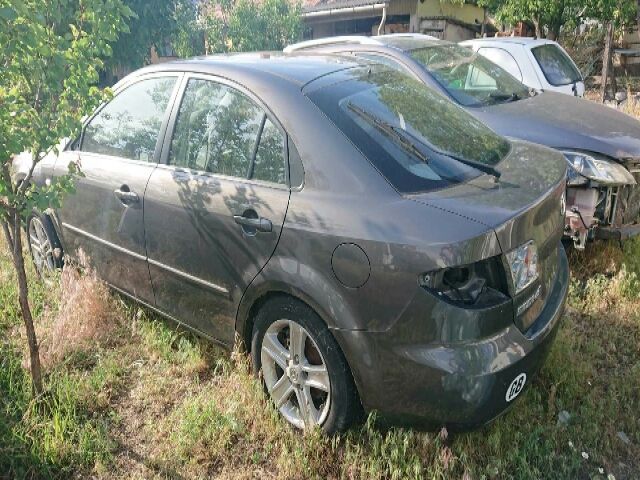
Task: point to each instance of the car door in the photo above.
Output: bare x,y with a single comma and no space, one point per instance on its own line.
214,209
117,152
503,58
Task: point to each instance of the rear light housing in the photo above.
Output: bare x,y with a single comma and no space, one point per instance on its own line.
481,284
523,266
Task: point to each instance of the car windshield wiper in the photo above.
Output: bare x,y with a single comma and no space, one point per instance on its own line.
483,167
508,97
408,142
397,134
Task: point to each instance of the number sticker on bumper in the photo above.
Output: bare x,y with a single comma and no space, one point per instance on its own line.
516,387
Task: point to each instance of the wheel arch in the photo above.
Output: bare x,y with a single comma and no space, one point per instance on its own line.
52,223
252,302
250,306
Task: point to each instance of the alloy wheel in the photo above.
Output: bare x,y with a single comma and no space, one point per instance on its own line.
41,247
295,374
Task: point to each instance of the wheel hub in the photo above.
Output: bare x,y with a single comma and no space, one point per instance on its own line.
295,373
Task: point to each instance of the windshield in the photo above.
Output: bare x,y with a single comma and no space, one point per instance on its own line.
557,67
418,139
470,78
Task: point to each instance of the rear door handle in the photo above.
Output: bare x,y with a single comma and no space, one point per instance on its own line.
126,196
252,225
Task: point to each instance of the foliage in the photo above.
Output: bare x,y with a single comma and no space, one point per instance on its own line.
151,25
188,36
50,65
586,49
251,25
550,16
50,60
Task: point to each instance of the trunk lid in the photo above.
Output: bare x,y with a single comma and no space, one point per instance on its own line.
526,203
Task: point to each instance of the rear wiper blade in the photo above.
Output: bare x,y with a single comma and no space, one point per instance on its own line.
409,142
483,167
397,134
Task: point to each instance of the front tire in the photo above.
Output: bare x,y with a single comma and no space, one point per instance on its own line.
43,245
303,369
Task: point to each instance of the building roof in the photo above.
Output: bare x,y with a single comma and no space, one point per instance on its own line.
309,6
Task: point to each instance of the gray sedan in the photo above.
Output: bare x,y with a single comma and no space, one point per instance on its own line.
374,246
601,145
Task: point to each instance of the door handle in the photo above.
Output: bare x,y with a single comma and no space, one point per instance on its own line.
126,196
253,224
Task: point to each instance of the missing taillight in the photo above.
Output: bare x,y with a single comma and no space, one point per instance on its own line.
478,285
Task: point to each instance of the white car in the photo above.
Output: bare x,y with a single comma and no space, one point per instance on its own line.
541,64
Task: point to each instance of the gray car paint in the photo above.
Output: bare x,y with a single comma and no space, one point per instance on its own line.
563,121
344,200
551,119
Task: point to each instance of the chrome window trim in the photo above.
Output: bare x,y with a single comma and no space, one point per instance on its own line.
226,178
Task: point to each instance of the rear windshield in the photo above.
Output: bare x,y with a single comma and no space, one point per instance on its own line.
415,137
557,67
471,79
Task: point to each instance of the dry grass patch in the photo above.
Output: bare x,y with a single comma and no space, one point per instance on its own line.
86,316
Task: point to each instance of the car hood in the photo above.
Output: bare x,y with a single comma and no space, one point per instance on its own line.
524,204
564,121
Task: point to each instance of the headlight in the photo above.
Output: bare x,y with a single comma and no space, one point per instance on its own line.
598,168
523,265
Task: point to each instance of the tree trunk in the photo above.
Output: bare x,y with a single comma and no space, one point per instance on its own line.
606,61
638,14
539,32
13,234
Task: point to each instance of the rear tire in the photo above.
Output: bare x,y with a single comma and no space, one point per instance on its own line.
314,373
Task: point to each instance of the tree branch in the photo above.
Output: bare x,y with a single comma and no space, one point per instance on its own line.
7,234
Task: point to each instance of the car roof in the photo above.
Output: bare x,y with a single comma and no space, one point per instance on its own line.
529,41
298,69
401,41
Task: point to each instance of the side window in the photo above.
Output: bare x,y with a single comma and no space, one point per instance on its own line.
269,165
502,58
478,79
129,125
220,130
556,65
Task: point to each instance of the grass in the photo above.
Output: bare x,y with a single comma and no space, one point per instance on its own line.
145,400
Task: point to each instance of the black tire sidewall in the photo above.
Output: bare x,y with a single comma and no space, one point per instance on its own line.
51,234
344,400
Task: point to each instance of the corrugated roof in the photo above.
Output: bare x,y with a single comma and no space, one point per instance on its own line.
322,5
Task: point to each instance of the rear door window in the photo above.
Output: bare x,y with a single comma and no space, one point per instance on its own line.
221,130
556,65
